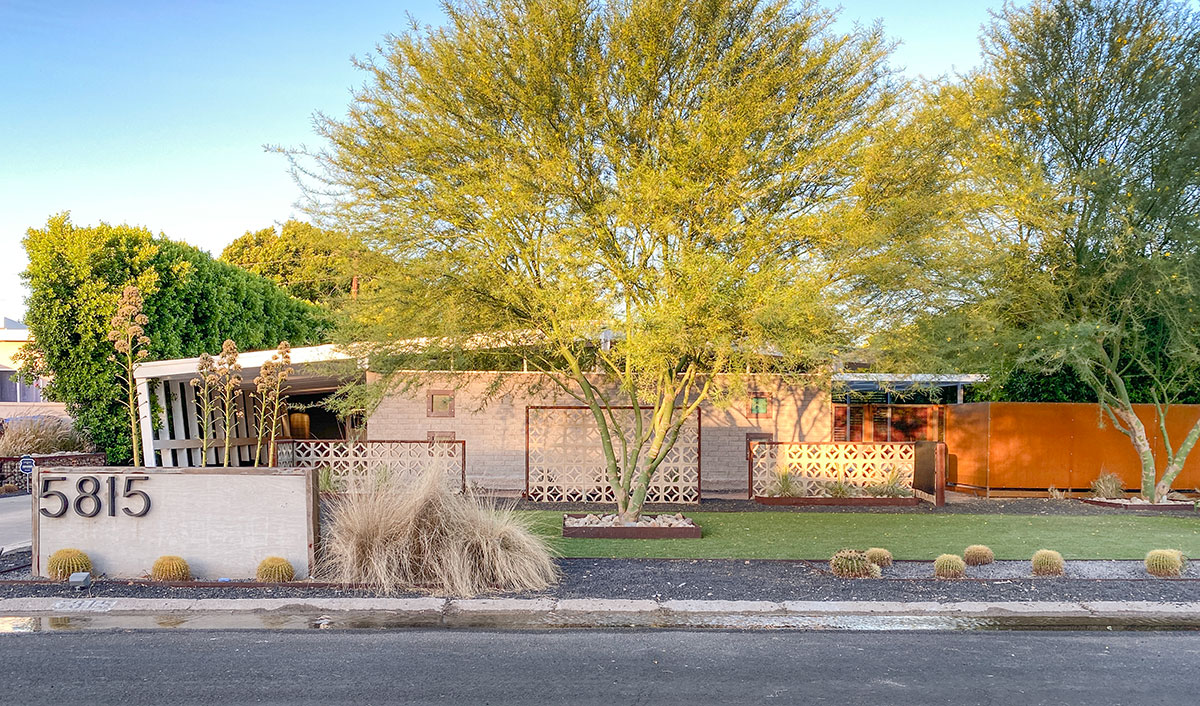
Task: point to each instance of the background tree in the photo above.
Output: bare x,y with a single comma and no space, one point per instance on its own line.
1082,140
318,266
192,304
644,201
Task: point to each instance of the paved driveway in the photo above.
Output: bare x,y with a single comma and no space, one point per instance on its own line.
15,528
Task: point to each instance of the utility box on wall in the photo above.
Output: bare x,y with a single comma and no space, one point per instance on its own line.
222,521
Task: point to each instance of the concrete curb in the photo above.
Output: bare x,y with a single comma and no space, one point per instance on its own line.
548,612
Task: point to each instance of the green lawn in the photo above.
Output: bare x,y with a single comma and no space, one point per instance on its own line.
787,535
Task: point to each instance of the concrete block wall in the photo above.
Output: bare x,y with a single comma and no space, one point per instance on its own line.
493,423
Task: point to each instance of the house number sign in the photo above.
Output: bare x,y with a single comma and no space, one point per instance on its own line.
91,496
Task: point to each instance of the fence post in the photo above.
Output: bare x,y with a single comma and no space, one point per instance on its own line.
939,474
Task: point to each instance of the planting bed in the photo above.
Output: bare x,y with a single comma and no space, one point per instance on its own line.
1135,504
848,502
590,526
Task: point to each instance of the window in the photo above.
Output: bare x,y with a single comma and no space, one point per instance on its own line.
440,403
759,407
13,390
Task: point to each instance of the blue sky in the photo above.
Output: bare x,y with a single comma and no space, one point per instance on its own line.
156,113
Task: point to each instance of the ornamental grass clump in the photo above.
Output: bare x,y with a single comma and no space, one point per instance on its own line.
949,566
65,562
1047,562
1165,563
879,557
41,435
8,488
978,555
392,534
850,564
170,568
1108,486
275,569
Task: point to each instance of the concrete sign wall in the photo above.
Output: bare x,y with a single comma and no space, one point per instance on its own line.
222,521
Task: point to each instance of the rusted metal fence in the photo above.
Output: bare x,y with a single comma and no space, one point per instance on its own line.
1024,448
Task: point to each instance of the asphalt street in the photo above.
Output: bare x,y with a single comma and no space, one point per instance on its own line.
660,668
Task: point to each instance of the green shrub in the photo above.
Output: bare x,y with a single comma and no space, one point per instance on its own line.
193,303
170,568
65,562
978,555
1164,562
1047,562
949,566
850,564
275,569
879,557
1108,486
838,489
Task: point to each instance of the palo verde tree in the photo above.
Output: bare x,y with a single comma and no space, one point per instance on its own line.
1083,130
643,200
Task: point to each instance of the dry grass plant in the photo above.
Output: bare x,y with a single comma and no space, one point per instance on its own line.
41,435
394,534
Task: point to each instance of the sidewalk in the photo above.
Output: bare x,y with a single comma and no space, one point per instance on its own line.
514,613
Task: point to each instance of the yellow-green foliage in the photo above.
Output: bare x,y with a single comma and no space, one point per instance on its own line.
949,566
275,569
1047,562
170,568
879,557
850,564
1164,562
978,555
875,572
65,562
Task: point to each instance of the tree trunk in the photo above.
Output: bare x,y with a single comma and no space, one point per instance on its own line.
1137,434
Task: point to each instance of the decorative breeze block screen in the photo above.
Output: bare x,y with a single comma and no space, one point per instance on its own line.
565,461
345,459
812,464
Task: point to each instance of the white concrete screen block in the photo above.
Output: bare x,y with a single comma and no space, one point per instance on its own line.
222,521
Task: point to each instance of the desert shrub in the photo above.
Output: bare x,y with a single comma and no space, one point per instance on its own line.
170,568
1055,494
978,555
8,488
892,486
781,486
275,569
949,566
850,564
1164,562
390,534
65,562
879,557
1047,562
1108,485
837,489
41,435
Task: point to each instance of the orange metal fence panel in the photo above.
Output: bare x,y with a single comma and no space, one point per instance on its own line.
1031,446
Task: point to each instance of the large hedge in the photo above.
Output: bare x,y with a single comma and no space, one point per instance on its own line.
193,301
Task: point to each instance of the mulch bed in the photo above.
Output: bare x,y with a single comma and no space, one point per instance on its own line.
703,579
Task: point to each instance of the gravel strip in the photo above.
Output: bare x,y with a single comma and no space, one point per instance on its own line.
686,579
1014,569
